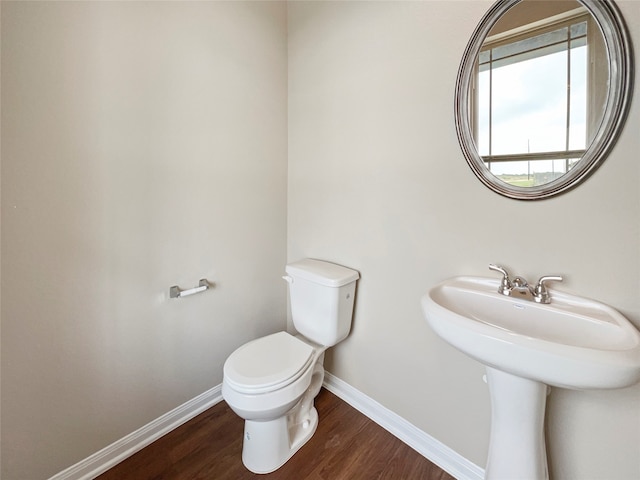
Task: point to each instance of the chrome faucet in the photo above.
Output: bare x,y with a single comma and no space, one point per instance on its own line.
520,288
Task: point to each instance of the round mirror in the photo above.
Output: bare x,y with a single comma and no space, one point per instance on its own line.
542,93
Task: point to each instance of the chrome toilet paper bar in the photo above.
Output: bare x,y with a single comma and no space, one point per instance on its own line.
175,292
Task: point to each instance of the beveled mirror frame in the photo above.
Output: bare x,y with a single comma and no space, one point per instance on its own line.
618,100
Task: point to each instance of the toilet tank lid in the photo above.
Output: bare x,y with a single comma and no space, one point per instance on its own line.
323,273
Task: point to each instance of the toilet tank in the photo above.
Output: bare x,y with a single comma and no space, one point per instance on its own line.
322,296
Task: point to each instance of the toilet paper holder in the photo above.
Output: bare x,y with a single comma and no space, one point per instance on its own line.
176,292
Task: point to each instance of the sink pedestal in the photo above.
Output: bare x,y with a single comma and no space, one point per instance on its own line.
516,446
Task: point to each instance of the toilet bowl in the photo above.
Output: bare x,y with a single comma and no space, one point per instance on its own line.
271,382
275,400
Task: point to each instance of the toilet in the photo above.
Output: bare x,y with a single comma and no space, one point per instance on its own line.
271,382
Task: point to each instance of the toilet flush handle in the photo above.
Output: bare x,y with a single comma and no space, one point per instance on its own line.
288,279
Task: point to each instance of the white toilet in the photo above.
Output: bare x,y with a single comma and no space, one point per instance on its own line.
271,382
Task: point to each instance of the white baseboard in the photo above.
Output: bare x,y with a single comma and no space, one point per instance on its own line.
430,448
421,442
115,453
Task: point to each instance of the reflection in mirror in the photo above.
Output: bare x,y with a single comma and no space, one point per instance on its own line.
542,92
533,119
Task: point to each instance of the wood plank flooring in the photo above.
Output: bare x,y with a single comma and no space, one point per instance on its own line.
346,445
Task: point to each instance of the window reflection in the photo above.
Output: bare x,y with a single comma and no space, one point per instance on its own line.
531,102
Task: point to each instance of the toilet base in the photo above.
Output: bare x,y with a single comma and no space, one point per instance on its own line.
269,445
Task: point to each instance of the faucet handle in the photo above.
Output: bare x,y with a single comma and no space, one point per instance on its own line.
505,284
540,293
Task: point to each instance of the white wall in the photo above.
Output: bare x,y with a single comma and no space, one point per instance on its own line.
377,182
143,145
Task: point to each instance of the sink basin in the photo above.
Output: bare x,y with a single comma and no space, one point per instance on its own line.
573,342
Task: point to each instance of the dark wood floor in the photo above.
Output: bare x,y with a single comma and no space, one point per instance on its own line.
346,445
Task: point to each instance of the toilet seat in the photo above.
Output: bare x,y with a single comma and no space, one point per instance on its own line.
268,363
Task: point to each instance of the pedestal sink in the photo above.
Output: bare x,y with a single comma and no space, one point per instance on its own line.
573,342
